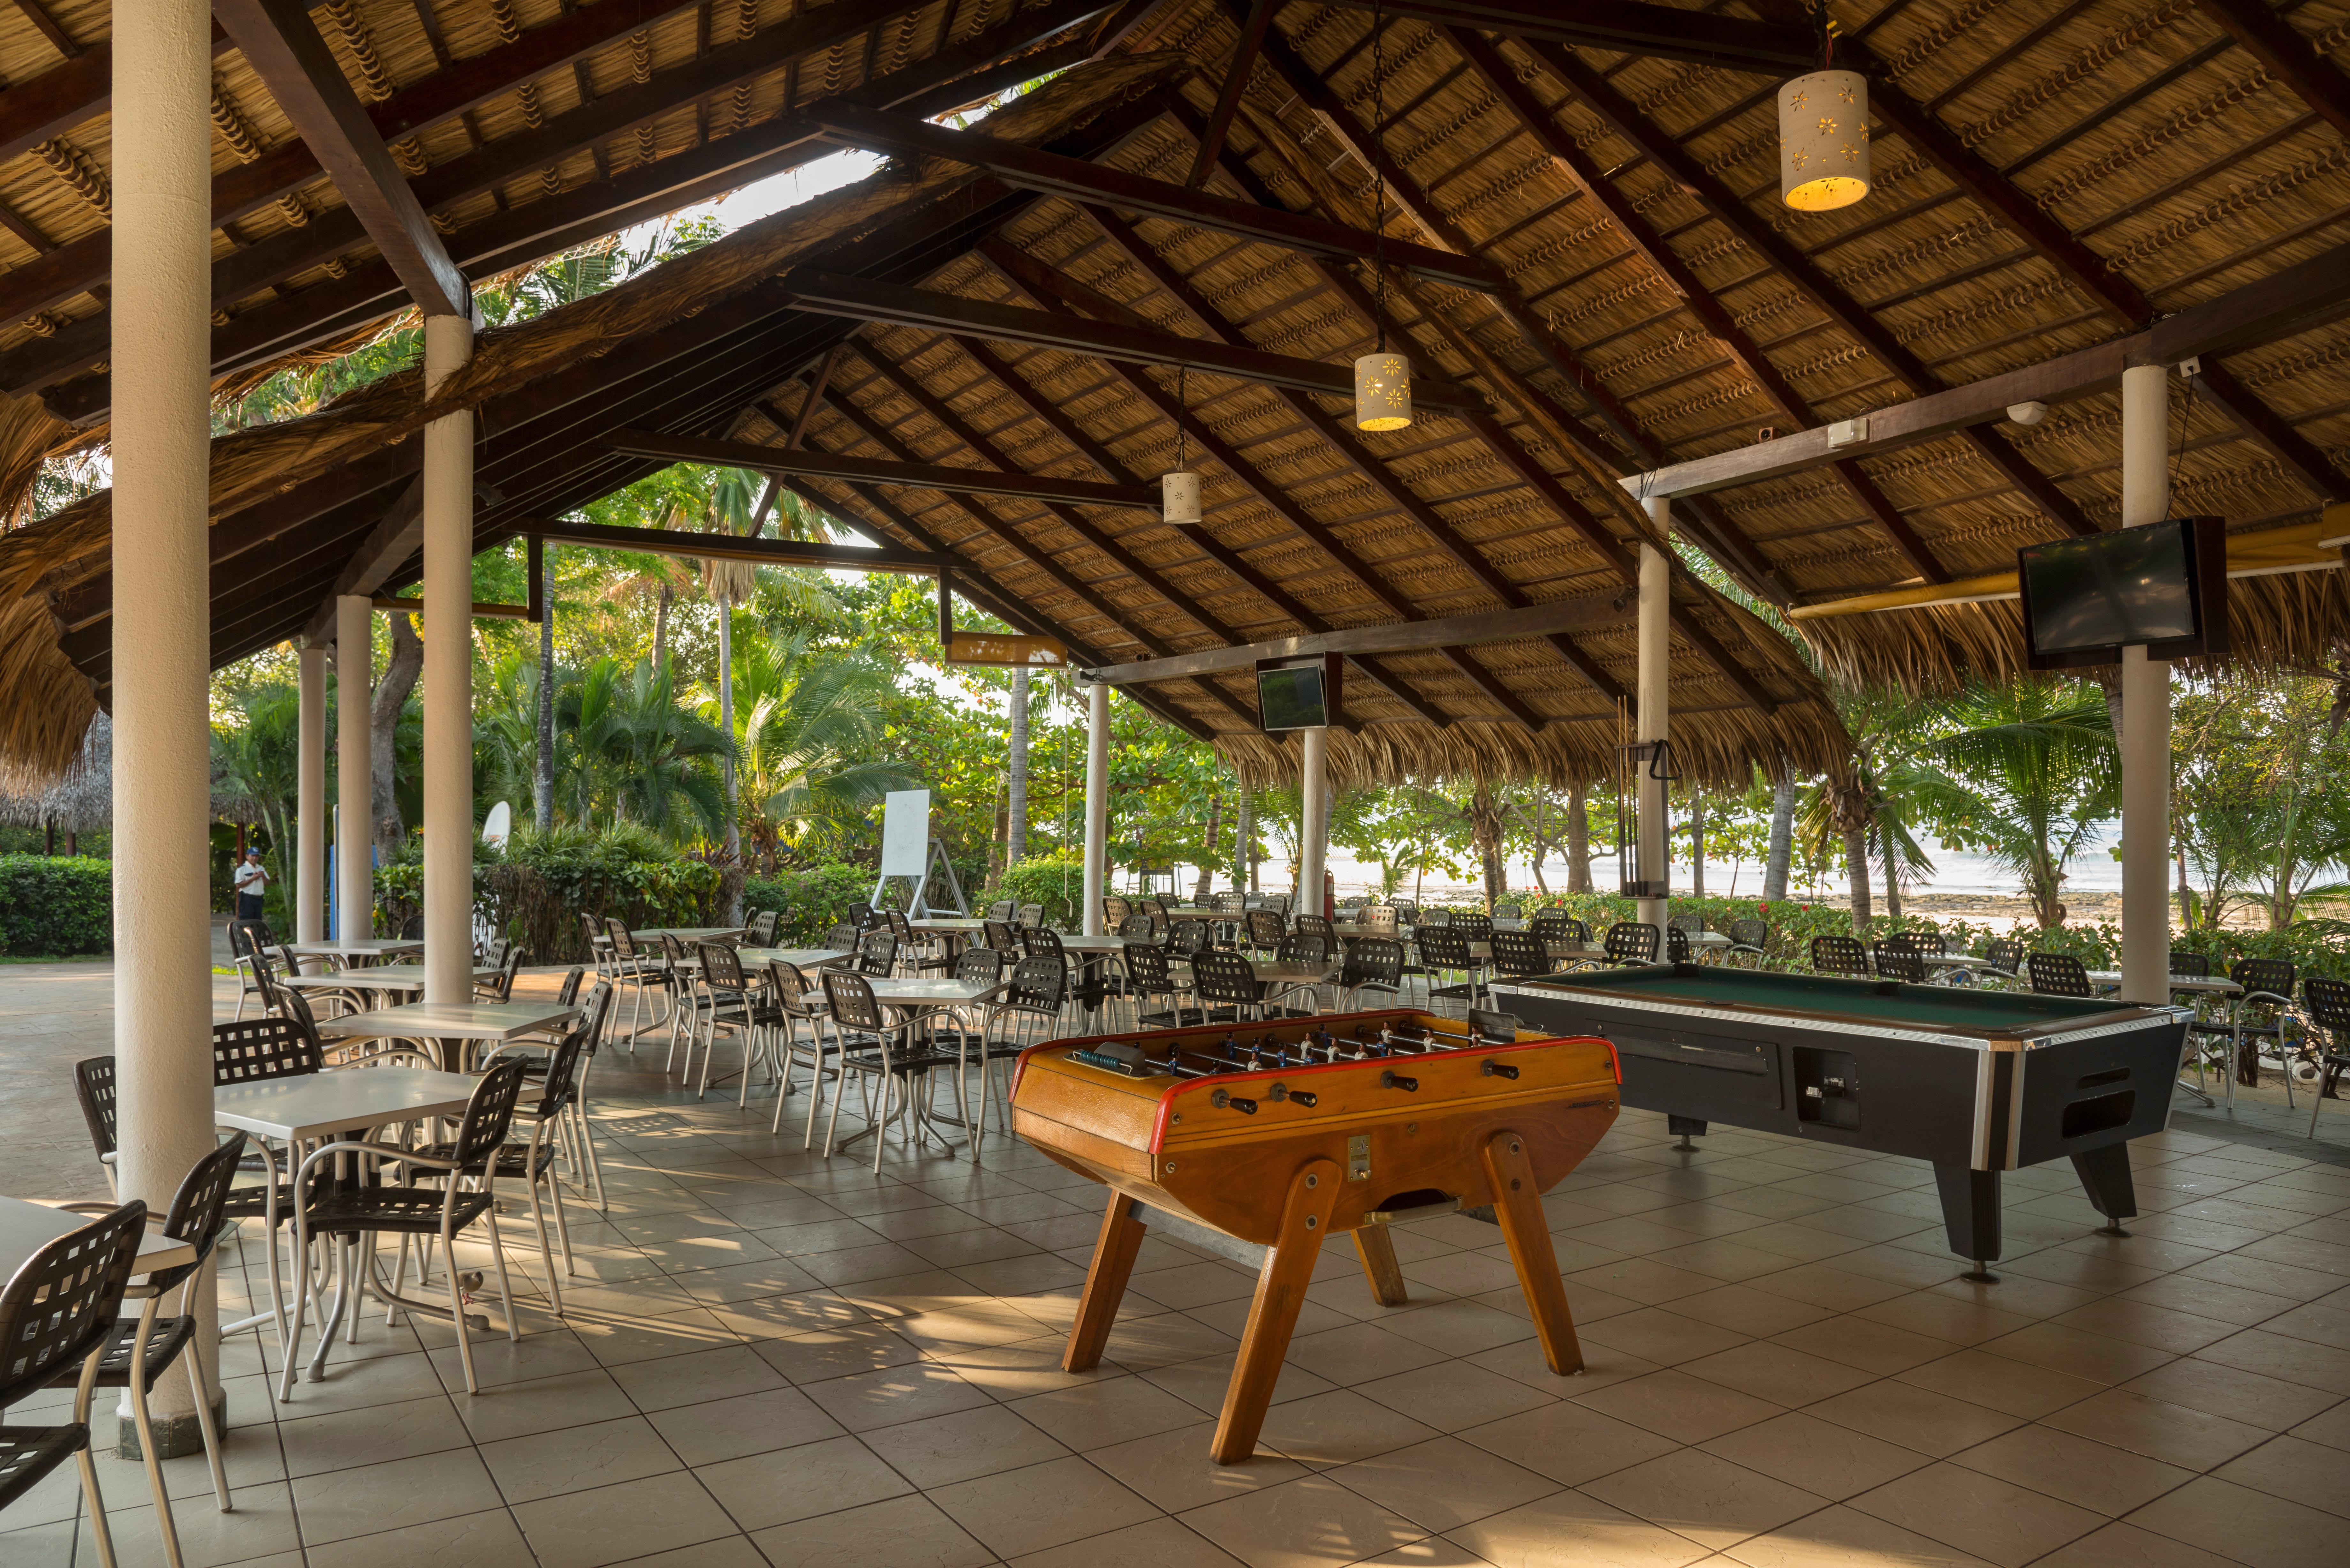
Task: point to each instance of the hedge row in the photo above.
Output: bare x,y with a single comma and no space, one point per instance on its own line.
56,906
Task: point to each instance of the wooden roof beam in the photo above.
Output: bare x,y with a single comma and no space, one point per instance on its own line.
1237,70
1660,32
1077,179
763,459
1625,118
284,48
866,299
2288,55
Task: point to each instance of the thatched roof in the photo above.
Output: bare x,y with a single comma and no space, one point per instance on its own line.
2048,173
82,799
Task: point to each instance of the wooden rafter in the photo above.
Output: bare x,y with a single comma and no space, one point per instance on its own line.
1228,100
763,459
2288,55
279,42
1663,32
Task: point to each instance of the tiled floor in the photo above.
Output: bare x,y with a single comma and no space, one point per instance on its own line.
770,1357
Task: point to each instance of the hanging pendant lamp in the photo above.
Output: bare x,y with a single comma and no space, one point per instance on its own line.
1382,380
1178,491
1824,140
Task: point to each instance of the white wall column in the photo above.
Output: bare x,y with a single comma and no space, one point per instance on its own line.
2145,708
1653,720
1097,806
310,800
163,455
448,674
354,767
1313,820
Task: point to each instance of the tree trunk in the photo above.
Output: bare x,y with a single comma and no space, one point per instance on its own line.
1696,844
1485,831
1578,839
545,769
1892,870
997,824
1245,841
726,762
1207,881
1782,841
2188,914
1542,839
392,690
1856,866
1016,772
660,628
48,836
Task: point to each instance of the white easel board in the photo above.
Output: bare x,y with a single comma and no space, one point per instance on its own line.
906,833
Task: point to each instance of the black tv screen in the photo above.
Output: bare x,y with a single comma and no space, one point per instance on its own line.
1291,699
2110,590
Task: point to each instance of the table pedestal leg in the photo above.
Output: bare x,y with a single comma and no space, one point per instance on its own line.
1106,1277
1517,1205
1279,1291
2104,1175
1970,1216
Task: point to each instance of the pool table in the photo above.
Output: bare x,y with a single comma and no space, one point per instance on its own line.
1977,1082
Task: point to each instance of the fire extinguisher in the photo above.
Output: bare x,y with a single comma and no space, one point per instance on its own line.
1329,896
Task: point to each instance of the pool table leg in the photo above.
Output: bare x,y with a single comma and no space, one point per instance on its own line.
2104,1175
1685,1128
1970,1215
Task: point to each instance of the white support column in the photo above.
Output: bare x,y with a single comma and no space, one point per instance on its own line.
1313,820
1097,805
2145,708
448,675
162,434
1653,720
354,767
310,800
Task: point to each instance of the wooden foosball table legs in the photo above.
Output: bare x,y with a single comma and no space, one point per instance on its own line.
1517,1204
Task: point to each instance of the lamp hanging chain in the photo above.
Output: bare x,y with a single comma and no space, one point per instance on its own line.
1180,409
1379,180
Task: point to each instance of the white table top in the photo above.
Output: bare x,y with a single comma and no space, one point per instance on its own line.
686,933
26,1227
374,947
2211,985
799,958
340,1100
353,980
414,973
448,1021
949,923
1101,944
931,992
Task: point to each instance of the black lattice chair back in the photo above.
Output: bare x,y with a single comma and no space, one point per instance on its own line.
1265,928
1223,978
1003,910
1312,925
851,1001
412,930
2197,966
1038,942
1474,925
860,915
1188,938
2059,974
762,930
568,992
62,1302
1228,903
900,926
1676,945
592,930
1372,961
197,1209
1304,947
1041,983
624,945
1138,926
1840,955
100,1097
877,954
1031,915
1001,936
1632,941
1692,924
792,987
1509,913
599,1011
2328,1001
563,1069
2004,955
840,938
1443,948
1755,934
490,1113
254,1049
2273,977
979,966
674,951
248,939
1115,909
1900,960
501,987
1519,953
722,966
1146,968
1378,917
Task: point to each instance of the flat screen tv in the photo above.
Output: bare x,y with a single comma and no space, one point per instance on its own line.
2162,587
1296,698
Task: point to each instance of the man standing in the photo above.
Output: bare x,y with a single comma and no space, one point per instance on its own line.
252,881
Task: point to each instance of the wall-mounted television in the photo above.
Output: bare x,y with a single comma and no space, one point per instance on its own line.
2163,586
1297,695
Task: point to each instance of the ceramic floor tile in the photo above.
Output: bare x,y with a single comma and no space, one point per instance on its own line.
1931,1423
390,1495
904,1533
1002,1511
1172,1471
1816,1456
1843,1537
1337,1427
1568,1442
1451,1396
2091,1475
1711,1500
486,1540
961,1446
2250,1527
867,1400
1779,1372
2293,1468
2011,1388
1991,1518
1309,1522
2240,1395
1675,1405
757,1423
578,1459
1573,1529
764,1489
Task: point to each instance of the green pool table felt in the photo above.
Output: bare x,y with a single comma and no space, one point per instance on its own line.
1930,1006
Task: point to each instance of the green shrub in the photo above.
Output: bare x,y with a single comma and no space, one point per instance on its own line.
1055,882
813,900
535,891
56,906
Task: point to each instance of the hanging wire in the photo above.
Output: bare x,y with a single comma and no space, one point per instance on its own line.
1379,180
1181,371
2178,448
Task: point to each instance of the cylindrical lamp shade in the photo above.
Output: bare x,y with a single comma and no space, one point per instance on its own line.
1824,140
1179,497
1382,392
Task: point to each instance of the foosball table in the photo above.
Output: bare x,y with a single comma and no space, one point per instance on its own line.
1257,1142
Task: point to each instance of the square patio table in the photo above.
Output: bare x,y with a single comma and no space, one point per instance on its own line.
799,957
688,934
26,1227
950,923
361,950
446,1025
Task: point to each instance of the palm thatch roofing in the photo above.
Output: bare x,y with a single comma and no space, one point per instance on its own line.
81,800
2049,173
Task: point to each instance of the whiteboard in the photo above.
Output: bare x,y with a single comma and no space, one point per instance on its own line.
498,826
906,833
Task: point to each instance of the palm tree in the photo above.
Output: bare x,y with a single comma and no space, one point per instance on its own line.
640,753
806,727
2025,772
256,755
